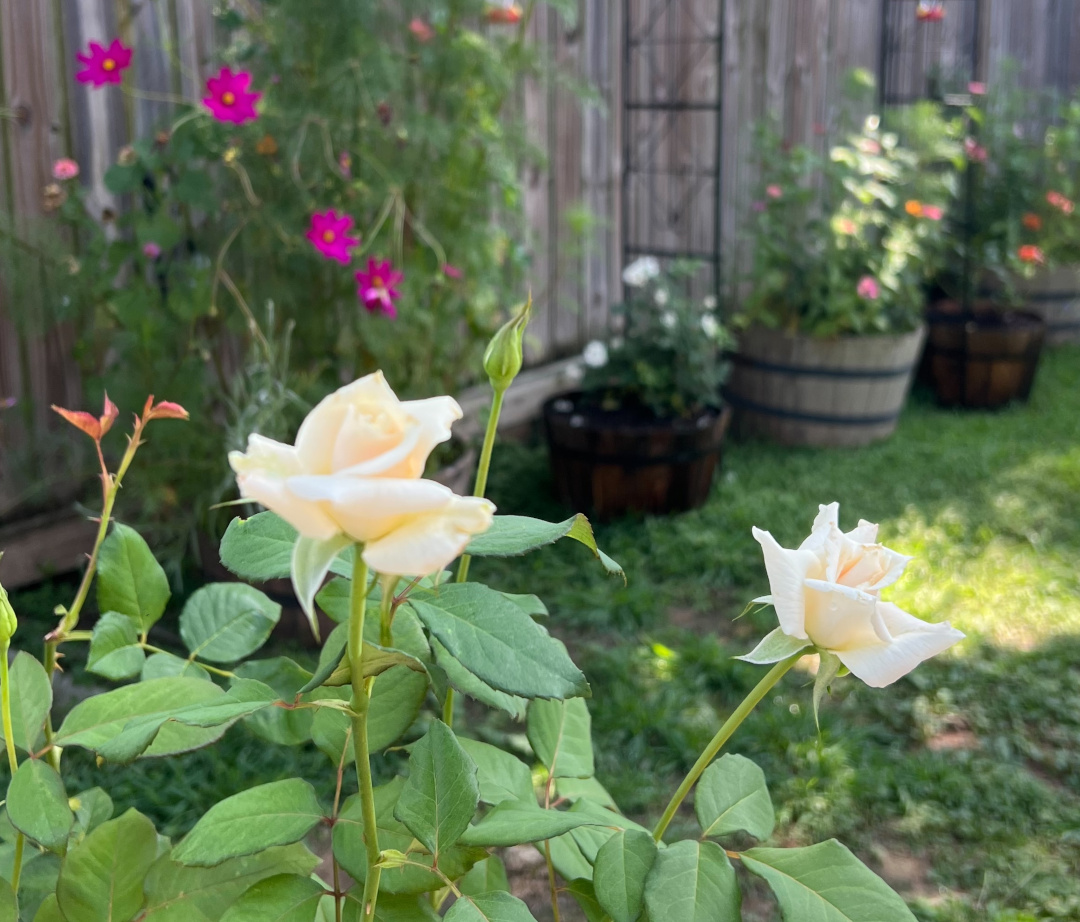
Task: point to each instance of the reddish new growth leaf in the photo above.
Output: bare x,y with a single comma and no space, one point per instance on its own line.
163,409
108,415
80,419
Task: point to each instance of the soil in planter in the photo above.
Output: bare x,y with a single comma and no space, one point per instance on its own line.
610,462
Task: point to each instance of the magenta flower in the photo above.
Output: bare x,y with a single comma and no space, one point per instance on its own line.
421,31
329,234
976,88
64,169
230,100
975,151
375,287
932,212
773,191
151,250
452,272
104,65
868,288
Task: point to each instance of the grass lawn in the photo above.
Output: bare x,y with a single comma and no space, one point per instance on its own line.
961,783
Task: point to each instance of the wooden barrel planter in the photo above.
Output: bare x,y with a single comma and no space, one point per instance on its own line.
1055,296
983,361
613,462
800,390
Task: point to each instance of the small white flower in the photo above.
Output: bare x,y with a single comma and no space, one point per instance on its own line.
661,297
595,354
641,271
709,302
616,342
709,326
668,320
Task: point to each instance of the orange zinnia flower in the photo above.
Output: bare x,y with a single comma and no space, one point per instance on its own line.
1029,253
913,207
1032,221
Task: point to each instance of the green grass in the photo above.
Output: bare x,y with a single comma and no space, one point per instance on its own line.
962,781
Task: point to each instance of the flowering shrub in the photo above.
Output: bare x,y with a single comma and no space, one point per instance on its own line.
348,500
665,353
845,245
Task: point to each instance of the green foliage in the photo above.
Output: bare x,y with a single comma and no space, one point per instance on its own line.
560,733
732,797
283,898
226,622
621,868
692,882
31,701
130,581
38,805
115,652
496,906
514,535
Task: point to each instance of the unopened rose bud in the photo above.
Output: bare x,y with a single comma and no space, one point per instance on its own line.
8,621
504,355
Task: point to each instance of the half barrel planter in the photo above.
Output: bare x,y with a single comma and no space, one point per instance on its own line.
801,390
1054,295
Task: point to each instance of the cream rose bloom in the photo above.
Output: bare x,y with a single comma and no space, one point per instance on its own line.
828,592
354,476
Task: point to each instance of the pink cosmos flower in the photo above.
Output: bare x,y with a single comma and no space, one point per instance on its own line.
773,191
151,250
977,88
932,212
868,288
65,168
975,151
421,31
230,100
104,65
452,272
375,287
329,234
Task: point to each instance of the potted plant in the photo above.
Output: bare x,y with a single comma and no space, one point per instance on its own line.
645,430
832,314
983,347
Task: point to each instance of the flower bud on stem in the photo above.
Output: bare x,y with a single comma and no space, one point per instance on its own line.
8,624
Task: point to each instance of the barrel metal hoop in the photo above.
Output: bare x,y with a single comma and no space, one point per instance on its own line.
627,460
743,403
842,373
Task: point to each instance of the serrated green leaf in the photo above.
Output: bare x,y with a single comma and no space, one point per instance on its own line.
390,908
38,881
280,725
498,643
774,646
496,906
278,813
583,893
37,804
260,548
560,733
486,875
283,898
500,775
619,873
574,789
468,684
225,622
568,858
590,839
101,879
693,882
48,911
528,603
31,701
165,665
9,908
92,808
129,579
732,796
114,648
514,535
515,823
441,793
825,883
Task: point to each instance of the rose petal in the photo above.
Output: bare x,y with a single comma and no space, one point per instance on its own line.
839,617
787,571
427,544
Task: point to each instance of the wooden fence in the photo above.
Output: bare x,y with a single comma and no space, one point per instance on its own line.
785,57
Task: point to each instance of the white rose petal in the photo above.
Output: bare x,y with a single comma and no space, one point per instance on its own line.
668,320
641,271
595,354
709,326
661,297
709,302
828,591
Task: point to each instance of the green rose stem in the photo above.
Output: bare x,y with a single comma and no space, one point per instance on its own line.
9,739
361,701
722,736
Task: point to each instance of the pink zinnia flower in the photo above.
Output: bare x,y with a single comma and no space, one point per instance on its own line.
104,65
977,88
421,31
151,250
1060,202
329,234
452,272
375,287
65,168
773,191
230,100
868,288
932,212
975,151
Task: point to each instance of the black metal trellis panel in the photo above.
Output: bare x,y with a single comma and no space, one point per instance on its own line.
672,129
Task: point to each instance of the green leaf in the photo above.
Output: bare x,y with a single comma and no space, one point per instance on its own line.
560,733
101,879
513,535
177,893
500,775
349,846
441,793
224,622
530,604
31,701
120,179
329,657
514,823
496,906
390,908
468,684
590,839
37,804
825,883
280,725
619,874
114,647
277,813
283,898
828,669
732,796
165,665
582,891
49,911
9,908
693,882
94,722
574,789
41,870
129,580
261,547
568,858
774,646
497,642
92,808
489,874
